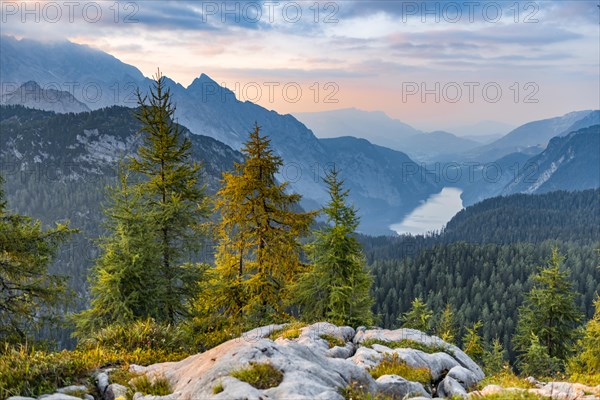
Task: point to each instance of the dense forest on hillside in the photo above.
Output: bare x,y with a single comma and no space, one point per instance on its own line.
480,282
482,262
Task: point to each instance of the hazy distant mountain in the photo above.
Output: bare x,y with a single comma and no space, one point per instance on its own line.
374,126
31,95
436,145
531,135
489,179
571,162
483,128
483,139
382,130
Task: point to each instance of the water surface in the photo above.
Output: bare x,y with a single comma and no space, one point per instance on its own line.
433,214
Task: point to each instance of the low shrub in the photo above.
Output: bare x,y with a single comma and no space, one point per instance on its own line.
586,379
146,335
259,375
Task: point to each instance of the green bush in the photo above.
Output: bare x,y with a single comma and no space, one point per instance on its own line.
259,375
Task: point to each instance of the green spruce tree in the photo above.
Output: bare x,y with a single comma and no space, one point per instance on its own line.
28,291
171,183
494,359
125,283
549,312
418,317
337,288
155,223
536,361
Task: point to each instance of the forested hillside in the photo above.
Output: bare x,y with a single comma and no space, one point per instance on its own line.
482,262
480,282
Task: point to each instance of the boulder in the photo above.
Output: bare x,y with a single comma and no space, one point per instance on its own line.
102,382
114,391
20,398
465,377
397,387
567,391
310,368
137,369
449,387
59,396
397,335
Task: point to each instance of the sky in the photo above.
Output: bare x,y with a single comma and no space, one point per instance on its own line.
433,64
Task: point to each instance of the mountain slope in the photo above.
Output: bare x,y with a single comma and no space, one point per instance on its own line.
571,162
374,172
560,215
92,76
532,134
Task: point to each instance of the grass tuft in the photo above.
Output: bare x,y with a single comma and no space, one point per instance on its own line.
259,375
333,341
218,388
392,364
506,379
405,344
290,331
159,386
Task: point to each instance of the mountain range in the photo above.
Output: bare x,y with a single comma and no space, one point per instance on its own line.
387,164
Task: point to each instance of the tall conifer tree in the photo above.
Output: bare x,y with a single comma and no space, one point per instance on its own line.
258,255
549,312
337,287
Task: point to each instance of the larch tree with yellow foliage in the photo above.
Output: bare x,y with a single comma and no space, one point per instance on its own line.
258,252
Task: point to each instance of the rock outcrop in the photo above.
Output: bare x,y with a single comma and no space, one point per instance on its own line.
320,361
